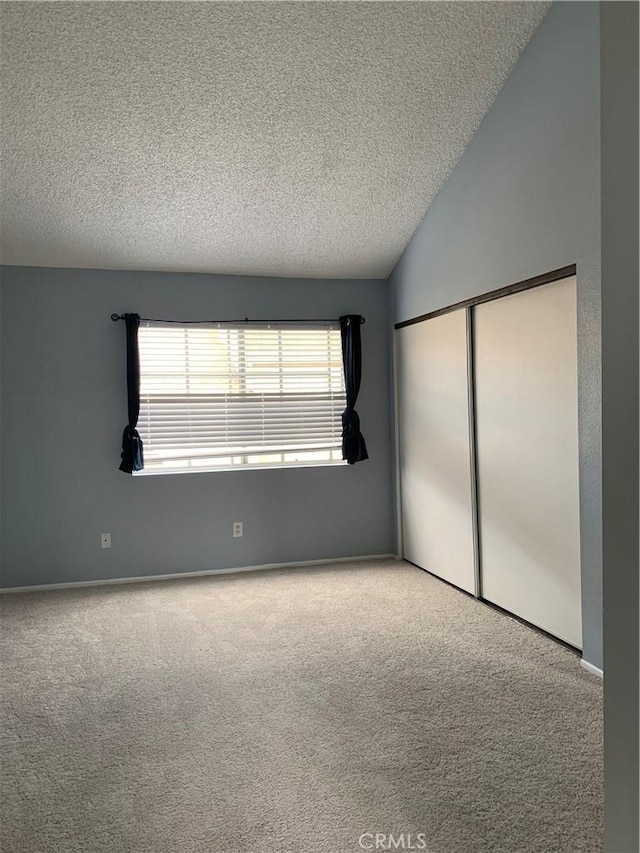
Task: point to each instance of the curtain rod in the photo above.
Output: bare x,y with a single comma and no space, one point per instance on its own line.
116,317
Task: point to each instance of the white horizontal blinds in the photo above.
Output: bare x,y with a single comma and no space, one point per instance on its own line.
220,397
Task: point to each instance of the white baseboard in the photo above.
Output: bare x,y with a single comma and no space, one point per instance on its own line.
178,575
594,670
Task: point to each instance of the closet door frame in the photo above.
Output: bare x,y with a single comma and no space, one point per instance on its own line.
468,305
546,278
473,453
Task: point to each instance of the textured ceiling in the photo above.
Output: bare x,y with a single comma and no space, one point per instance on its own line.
267,138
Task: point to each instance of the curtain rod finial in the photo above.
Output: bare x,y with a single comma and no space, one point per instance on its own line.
116,317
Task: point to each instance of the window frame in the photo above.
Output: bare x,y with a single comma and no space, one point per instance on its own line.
336,401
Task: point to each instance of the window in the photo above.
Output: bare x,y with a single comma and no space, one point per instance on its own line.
217,398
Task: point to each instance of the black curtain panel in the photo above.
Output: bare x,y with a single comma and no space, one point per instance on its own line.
353,447
132,456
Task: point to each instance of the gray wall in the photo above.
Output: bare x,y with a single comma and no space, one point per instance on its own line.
64,407
619,57
0,429
524,199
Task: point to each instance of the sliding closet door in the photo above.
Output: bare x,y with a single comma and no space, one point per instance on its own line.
527,456
433,425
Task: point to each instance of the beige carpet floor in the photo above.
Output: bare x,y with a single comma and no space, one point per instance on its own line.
292,711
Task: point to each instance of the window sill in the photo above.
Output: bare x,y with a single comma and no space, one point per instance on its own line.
160,473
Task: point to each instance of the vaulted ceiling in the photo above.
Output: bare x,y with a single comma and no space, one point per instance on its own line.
265,138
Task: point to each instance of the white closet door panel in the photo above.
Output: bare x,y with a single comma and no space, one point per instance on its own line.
527,456
433,423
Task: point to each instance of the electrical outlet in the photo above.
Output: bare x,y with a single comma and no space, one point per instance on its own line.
237,529
105,540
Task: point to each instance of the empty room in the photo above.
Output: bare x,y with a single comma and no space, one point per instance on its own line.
319,424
